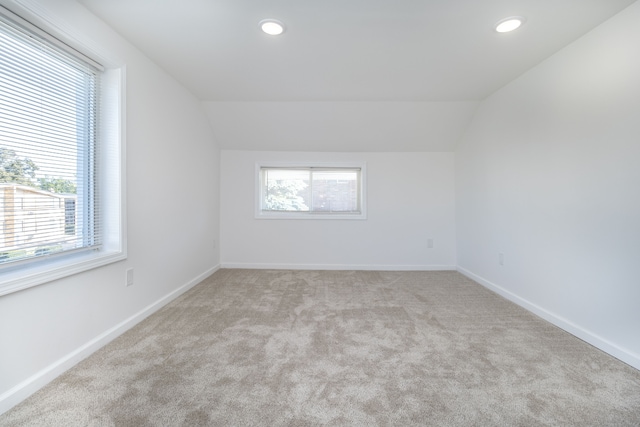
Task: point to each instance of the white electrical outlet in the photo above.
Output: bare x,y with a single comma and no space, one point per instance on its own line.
500,258
430,243
129,276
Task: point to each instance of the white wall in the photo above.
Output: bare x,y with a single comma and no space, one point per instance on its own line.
548,175
340,126
410,198
172,205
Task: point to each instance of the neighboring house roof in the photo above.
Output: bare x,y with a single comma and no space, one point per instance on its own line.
37,190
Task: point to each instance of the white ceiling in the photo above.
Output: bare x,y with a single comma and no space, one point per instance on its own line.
425,51
349,50
340,126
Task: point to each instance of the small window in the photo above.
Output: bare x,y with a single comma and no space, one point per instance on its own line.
311,192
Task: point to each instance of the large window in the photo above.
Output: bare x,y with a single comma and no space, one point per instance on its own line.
311,192
51,154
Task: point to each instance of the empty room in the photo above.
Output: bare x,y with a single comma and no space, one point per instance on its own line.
340,212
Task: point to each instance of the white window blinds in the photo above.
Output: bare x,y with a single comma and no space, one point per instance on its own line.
49,200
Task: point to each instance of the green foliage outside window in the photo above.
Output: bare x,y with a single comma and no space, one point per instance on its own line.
22,171
284,195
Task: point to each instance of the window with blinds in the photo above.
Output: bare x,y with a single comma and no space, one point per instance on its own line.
287,192
49,202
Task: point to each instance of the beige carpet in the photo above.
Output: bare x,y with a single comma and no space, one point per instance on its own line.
307,348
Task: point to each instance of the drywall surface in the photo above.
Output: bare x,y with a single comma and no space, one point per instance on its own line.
370,126
410,199
172,218
548,176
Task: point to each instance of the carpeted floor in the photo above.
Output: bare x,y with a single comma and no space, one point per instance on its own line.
310,348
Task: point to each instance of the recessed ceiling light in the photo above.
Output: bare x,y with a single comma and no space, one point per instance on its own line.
509,24
273,27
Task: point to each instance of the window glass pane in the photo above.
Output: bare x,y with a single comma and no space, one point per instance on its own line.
335,191
311,190
286,190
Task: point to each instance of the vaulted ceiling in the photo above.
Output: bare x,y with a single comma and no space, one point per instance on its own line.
392,57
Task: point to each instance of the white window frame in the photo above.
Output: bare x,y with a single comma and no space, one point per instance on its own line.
262,214
111,166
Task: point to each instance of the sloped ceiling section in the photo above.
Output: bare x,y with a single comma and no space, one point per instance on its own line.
340,126
438,57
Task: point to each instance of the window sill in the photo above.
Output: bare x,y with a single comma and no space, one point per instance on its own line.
17,278
309,215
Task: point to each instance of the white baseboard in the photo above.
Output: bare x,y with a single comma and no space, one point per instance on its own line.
349,267
597,341
34,383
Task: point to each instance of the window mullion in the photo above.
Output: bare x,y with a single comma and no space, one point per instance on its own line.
311,192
